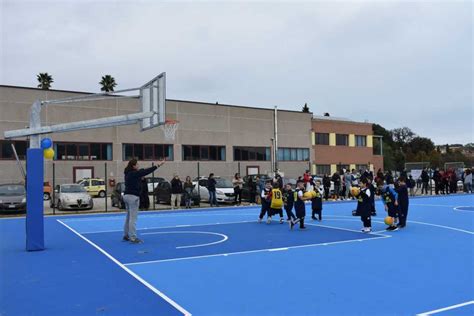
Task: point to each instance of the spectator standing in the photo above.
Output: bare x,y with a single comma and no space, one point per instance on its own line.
453,182
380,176
336,179
252,190
326,186
176,192
348,183
389,179
411,185
211,187
259,186
307,178
468,181
237,182
437,180
188,192
425,178
144,199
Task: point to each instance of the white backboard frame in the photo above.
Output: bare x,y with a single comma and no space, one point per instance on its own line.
153,99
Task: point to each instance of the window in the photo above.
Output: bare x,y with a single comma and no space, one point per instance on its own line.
321,170
147,151
82,151
342,139
252,153
361,140
97,182
203,152
293,154
6,151
322,138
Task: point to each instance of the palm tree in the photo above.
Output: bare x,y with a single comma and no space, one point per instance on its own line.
108,83
45,80
305,108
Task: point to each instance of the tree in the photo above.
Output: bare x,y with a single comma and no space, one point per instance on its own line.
403,135
305,108
108,83
45,80
418,144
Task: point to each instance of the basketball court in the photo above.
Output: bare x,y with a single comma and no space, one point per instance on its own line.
222,262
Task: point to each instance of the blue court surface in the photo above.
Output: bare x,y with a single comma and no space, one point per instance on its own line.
222,262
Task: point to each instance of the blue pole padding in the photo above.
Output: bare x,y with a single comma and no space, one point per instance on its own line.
34,200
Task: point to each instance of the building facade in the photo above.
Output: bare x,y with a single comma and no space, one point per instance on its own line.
223,139
343,144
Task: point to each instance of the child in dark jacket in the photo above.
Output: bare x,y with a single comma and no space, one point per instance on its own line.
364,206
402,202
289,201
317,201
390,200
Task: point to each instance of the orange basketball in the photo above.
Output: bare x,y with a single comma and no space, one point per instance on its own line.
388,220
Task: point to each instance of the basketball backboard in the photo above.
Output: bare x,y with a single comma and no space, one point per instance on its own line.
153,98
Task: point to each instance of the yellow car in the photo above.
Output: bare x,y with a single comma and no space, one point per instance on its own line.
95,187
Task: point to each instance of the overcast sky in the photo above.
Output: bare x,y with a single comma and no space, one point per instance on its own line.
393,63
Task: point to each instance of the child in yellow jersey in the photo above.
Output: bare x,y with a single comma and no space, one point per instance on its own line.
276,204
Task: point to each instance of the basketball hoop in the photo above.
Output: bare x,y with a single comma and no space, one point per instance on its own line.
169,128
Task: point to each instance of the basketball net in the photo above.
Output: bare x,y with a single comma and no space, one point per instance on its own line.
169,128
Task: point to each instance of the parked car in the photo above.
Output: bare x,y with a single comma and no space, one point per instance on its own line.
95,187
153,183
163,194
245,187
12,197
117,195
224,189
72,197
47,191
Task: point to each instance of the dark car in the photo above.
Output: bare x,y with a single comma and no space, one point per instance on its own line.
117,195
12,197
245,187
163,194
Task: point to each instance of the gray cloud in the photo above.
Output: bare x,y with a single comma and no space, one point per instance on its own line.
394,63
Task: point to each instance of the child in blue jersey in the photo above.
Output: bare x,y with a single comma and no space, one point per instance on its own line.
364,206
390,200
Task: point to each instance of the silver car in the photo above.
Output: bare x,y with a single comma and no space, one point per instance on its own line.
72,197
12,197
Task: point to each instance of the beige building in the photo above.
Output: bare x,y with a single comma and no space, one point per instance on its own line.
223,139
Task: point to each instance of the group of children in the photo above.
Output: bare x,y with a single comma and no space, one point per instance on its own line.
274,200
395,202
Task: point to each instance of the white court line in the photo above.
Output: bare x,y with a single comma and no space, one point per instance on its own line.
253,251
163,227
120,216
445,309
148,285
346,229
435,205
225,237
423,223
466,211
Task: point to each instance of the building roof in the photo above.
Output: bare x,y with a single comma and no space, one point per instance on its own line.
172,100
335,118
